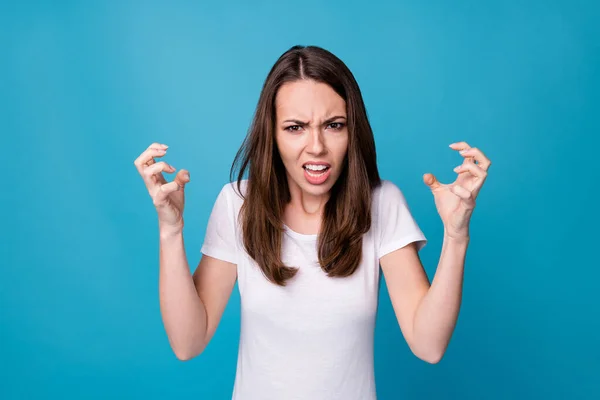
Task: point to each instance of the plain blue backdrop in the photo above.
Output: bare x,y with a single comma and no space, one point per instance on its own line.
85,87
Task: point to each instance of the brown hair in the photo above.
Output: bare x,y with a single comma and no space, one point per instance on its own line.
347,214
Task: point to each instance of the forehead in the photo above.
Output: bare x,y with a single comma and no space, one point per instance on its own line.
308,99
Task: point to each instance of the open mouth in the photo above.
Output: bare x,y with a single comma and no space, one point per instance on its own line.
316,173
316,170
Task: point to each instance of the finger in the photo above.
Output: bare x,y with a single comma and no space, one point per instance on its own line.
158,146
474,169
147,157
461,147
164,191
463,193
153,173
182,178
478,155
431,181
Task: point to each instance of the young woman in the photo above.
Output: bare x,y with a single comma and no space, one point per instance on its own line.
304,235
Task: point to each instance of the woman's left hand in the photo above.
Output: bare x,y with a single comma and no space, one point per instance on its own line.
455,202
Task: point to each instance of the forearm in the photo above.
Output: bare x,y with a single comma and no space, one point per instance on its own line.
183,313
437,313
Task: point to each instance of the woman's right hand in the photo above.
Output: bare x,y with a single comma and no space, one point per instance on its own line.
168,197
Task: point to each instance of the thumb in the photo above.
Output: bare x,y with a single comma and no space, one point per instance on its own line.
431,181
182,178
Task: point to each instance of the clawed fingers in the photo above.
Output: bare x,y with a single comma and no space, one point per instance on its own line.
475,182
475,169
472,154
164,191
464,194
147,157
153,173
181,179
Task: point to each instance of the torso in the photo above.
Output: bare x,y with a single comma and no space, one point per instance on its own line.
312,339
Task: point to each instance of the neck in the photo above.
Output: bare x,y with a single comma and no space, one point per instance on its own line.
304,202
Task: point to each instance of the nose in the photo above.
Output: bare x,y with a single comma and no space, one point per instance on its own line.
316,145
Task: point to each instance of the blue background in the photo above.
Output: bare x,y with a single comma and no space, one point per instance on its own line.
85,87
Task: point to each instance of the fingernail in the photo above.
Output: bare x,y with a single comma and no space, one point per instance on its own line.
165,146
463,151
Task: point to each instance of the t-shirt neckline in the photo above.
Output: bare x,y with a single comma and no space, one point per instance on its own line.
298,235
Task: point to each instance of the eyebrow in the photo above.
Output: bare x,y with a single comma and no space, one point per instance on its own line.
327,121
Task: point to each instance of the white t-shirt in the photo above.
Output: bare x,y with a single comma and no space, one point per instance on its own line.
312,339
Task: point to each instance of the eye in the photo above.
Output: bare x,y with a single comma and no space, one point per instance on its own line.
293,128
336,126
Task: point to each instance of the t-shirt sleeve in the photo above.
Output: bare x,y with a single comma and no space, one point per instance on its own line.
397,226
220,238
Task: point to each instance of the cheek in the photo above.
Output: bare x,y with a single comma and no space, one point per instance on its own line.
287,149
340,148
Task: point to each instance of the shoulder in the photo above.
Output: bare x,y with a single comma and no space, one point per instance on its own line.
231,198
387,192
231,189
388,201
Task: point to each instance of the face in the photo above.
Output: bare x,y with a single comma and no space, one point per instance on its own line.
311,135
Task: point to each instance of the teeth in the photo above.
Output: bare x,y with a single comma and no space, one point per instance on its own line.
314,174
316,167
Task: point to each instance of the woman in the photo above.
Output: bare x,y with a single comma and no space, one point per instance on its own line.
304,236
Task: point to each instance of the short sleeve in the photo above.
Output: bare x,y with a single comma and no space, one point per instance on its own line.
397,226
220,238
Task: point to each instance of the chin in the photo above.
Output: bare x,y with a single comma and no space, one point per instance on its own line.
315,189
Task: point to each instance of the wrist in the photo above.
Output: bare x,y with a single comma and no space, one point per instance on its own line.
170,232
458,238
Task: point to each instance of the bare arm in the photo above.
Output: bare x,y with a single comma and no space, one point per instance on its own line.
427,314
191,305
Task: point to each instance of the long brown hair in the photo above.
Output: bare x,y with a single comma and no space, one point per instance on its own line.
347,214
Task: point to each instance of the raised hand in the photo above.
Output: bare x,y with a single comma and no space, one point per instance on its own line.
455,202
168,197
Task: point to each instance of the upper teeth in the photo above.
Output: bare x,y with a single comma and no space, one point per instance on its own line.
316,167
